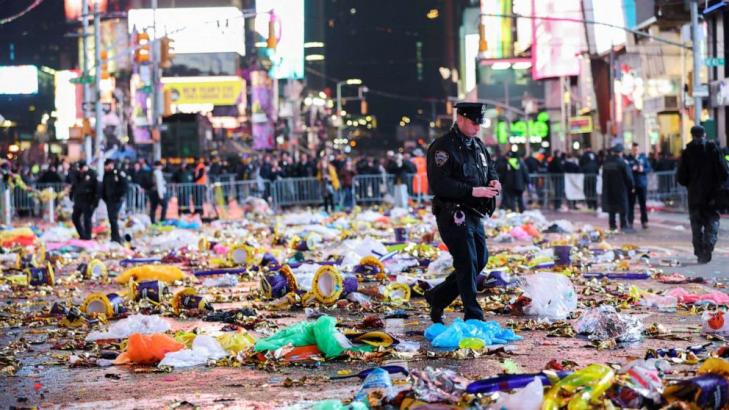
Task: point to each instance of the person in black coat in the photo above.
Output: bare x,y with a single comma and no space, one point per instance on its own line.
113,191
590,165
85,196
703,171
617,182
514,181
556,170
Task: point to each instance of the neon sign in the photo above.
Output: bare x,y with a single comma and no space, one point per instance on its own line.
535,130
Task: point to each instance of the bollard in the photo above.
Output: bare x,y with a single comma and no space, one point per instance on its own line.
52,209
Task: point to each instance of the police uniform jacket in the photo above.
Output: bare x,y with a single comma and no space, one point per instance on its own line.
85,188
454,169
617,181
114,186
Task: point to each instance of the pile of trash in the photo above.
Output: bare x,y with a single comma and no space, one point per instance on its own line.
310,289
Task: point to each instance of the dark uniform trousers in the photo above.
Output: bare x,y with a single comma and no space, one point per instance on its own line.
639,195
113,212
467,244
81,217
704,229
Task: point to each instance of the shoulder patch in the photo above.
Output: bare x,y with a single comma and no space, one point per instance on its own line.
441,157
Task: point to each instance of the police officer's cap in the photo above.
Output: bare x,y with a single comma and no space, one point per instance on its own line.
474,111
697,131
109,161
81,163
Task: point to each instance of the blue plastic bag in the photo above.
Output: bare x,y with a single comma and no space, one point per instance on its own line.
449,337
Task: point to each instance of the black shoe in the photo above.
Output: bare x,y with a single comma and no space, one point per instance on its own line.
436,315
645,225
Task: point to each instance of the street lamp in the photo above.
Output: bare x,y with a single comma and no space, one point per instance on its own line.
350,81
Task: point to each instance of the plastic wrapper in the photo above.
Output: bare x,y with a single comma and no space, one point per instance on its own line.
124,328
165,273
707,391
604,322
552,296
715,322
378,384
449,337
660,302
716,297
204,348
528,398
224,281
322,333
644,377
587,385
438,385
148,349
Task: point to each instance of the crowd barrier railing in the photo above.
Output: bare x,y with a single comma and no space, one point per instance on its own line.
543,191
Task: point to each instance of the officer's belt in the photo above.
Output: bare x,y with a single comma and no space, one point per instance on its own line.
454,206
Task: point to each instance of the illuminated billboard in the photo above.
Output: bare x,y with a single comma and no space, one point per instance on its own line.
288,15
605,32
73,10
557,43
19,79
204,90
66,103
195,29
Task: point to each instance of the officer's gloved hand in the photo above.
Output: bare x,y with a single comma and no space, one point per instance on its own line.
484,192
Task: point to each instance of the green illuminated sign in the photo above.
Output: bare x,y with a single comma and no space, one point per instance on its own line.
536,130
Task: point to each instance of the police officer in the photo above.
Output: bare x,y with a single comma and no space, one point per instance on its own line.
464,183
114,189
703,171
85,195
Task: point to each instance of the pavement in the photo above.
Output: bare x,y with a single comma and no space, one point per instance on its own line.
46,380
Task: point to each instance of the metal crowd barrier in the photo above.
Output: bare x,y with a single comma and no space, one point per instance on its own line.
544,191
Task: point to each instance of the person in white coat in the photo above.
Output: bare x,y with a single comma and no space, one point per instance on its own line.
158,193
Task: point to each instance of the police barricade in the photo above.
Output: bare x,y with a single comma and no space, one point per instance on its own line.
136,200
663,188
296,191
47,196
373,189
555,190
23,203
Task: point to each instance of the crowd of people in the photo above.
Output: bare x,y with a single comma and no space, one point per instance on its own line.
624,179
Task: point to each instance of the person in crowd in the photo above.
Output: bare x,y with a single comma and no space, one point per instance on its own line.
590,165
216,169
286,165
703,171
346,179
158,194
641,167
85,195
556,170
306,168
50,175
617,183
113,192
514,181
183,176
399,171
200,178
329,182
571,166
464,183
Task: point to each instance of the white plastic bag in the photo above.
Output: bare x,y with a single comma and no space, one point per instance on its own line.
528,398
552,294
204,349
122,329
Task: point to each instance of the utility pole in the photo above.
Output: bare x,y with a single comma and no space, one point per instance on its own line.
97,86
339,111
698,61
155,86
84,73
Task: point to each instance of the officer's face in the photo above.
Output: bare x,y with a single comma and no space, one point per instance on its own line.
467,127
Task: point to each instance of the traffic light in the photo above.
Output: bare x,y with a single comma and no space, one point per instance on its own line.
104,63
272,40
166,53
363,107
449,108
141,48
167,103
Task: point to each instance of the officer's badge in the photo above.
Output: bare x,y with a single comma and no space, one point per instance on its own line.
440,158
